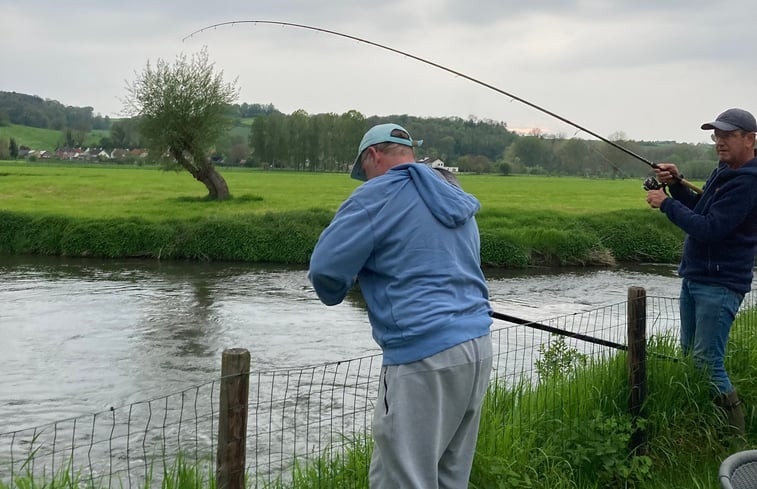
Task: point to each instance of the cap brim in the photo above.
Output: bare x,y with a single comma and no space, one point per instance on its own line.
723,126
357,171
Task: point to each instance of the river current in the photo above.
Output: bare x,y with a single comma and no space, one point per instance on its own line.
78,336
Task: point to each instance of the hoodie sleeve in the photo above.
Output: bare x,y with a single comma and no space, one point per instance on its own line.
340,253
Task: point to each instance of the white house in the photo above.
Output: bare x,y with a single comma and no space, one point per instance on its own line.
437,163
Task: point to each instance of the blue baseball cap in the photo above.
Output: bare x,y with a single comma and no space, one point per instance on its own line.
733,120
381,133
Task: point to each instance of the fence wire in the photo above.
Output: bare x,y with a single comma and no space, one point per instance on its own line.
304,417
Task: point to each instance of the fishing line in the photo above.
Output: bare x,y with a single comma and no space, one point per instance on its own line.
441,67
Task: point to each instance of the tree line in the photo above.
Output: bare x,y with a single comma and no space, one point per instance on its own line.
34,111
262,136
328,142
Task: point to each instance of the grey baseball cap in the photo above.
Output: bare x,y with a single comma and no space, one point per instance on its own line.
733,120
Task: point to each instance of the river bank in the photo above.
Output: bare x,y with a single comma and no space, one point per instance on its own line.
508,239
277,217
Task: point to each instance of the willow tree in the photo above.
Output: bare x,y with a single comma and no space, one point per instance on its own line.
181,111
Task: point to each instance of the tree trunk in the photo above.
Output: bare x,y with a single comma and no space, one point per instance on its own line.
215,183
204,172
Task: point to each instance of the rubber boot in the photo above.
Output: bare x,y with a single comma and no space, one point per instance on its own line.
734,413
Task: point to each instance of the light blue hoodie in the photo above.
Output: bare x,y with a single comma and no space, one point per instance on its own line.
412,241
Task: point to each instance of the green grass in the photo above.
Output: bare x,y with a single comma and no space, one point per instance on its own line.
97,191
32,137
48,139
524,220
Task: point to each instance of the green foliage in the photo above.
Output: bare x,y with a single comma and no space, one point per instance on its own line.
502,247
181,106
13,148
558,359
344,467
279,238
638,236
5,152
306,142
598,449
33,111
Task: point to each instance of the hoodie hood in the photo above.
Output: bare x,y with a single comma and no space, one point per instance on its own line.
449,204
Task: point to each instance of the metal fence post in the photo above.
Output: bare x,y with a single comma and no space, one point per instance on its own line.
637,364
232,418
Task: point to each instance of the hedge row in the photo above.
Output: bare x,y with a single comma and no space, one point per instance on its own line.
507,240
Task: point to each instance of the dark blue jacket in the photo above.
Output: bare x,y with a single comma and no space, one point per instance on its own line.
720,226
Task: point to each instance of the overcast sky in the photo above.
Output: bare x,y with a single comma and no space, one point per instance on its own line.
651,69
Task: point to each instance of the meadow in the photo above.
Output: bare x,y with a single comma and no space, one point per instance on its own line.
47,139
121,211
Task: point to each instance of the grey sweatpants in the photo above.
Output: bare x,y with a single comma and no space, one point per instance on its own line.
425,423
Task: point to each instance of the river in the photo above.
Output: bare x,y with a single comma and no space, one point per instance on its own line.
78,336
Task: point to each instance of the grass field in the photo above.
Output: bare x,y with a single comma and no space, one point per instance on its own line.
48,139
100,191
110,211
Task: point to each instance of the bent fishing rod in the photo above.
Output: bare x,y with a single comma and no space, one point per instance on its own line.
449,70
570,334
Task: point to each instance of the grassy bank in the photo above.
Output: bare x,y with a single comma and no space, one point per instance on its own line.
91,210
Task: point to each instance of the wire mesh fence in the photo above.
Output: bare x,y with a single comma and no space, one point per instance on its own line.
318,414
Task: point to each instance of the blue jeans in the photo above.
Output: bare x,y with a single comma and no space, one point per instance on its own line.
707,313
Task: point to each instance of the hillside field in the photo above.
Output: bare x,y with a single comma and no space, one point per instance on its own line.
48,139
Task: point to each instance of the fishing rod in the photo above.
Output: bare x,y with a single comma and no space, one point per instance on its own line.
570,334
553,330
449,70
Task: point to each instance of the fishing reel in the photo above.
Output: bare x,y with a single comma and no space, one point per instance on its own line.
651,183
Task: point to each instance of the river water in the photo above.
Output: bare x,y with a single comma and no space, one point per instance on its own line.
78,336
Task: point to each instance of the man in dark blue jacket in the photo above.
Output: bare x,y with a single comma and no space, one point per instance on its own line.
719,250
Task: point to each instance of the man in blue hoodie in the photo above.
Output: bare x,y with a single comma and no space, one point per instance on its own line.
719,250
410,238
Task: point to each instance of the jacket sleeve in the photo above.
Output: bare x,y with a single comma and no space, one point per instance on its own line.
687,197
731,208
340,253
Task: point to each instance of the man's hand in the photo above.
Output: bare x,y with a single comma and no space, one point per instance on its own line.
666,173
655,198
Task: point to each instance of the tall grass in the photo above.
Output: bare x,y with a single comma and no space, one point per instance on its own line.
92,210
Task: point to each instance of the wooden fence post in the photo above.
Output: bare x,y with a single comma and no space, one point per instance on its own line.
637,364
232,419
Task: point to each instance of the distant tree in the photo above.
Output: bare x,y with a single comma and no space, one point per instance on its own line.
13,148
4,149
124,133
697,169
504,167
533,151
73,138
181,110
474,164
238,152
106,143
